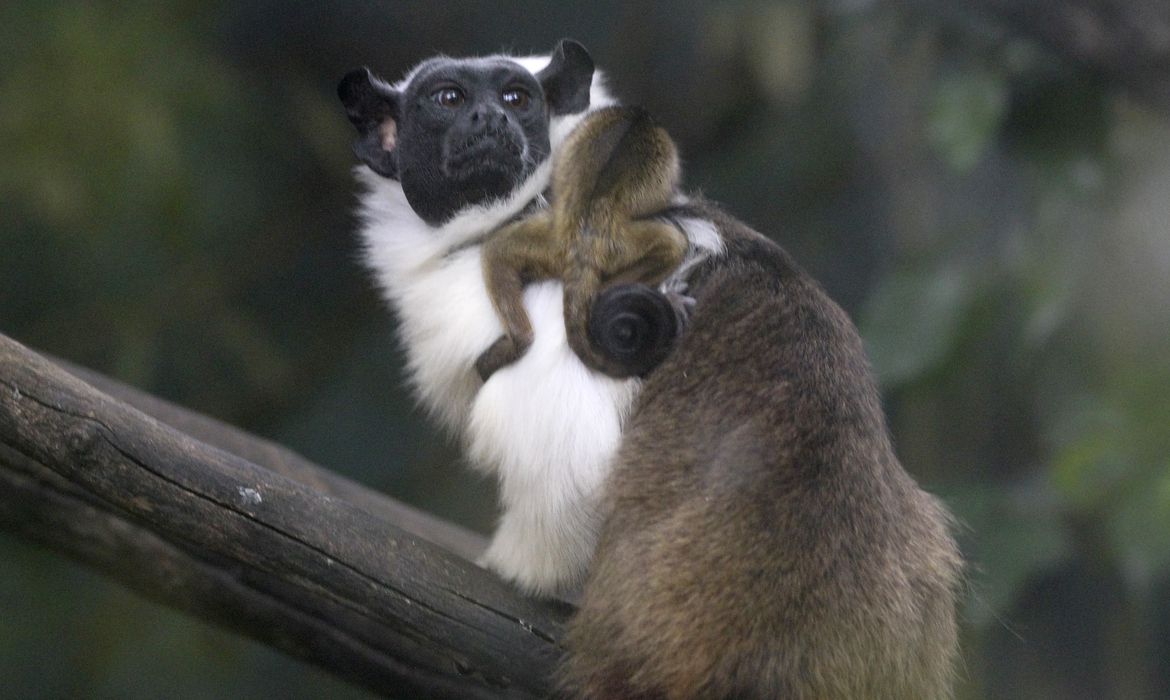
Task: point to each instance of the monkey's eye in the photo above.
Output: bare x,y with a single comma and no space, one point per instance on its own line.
448,97
515,98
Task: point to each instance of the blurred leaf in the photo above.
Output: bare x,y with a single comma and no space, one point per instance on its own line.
1017,535
1140,529
964,116
1085,470
912,321
1109,459
142,165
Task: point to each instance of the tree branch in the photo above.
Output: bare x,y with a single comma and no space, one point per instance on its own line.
306,561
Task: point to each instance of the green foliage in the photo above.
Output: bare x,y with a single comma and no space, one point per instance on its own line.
1110,459
965,115
913,321
155,222
1042,343
1018,533
140,173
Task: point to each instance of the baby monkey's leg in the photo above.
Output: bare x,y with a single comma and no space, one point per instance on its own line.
513,256
648,252
653,251
645,251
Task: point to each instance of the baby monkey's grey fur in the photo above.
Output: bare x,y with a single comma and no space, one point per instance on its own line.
615,168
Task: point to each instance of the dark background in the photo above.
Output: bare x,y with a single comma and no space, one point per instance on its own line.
990,207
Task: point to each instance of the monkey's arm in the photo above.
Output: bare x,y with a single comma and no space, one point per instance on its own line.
516,254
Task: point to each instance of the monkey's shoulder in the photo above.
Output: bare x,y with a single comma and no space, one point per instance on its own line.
765,339
753,266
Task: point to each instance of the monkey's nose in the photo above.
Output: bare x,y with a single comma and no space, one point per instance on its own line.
488,118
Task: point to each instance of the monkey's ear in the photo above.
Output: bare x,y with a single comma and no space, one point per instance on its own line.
567,78
372,107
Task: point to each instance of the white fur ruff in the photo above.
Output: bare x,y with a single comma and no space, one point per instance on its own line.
546,426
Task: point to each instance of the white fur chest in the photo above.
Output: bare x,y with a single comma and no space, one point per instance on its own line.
546,426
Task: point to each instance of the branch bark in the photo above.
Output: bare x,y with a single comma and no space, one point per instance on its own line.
270,546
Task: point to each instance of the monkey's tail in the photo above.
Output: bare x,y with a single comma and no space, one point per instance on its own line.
623,331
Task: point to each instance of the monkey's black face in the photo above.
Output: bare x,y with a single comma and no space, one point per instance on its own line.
469,131
463,131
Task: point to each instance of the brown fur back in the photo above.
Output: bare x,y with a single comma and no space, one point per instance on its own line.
764,541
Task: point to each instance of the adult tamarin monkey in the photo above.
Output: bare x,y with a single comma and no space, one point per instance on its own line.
450,153
616,167
762,540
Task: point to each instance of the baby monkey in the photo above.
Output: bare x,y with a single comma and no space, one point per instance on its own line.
615,170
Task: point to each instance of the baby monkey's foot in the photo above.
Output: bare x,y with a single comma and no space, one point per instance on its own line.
502,353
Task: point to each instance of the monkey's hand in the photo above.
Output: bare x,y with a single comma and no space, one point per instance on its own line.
683,306
502,353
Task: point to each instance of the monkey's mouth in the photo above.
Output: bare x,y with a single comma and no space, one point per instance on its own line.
491,154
